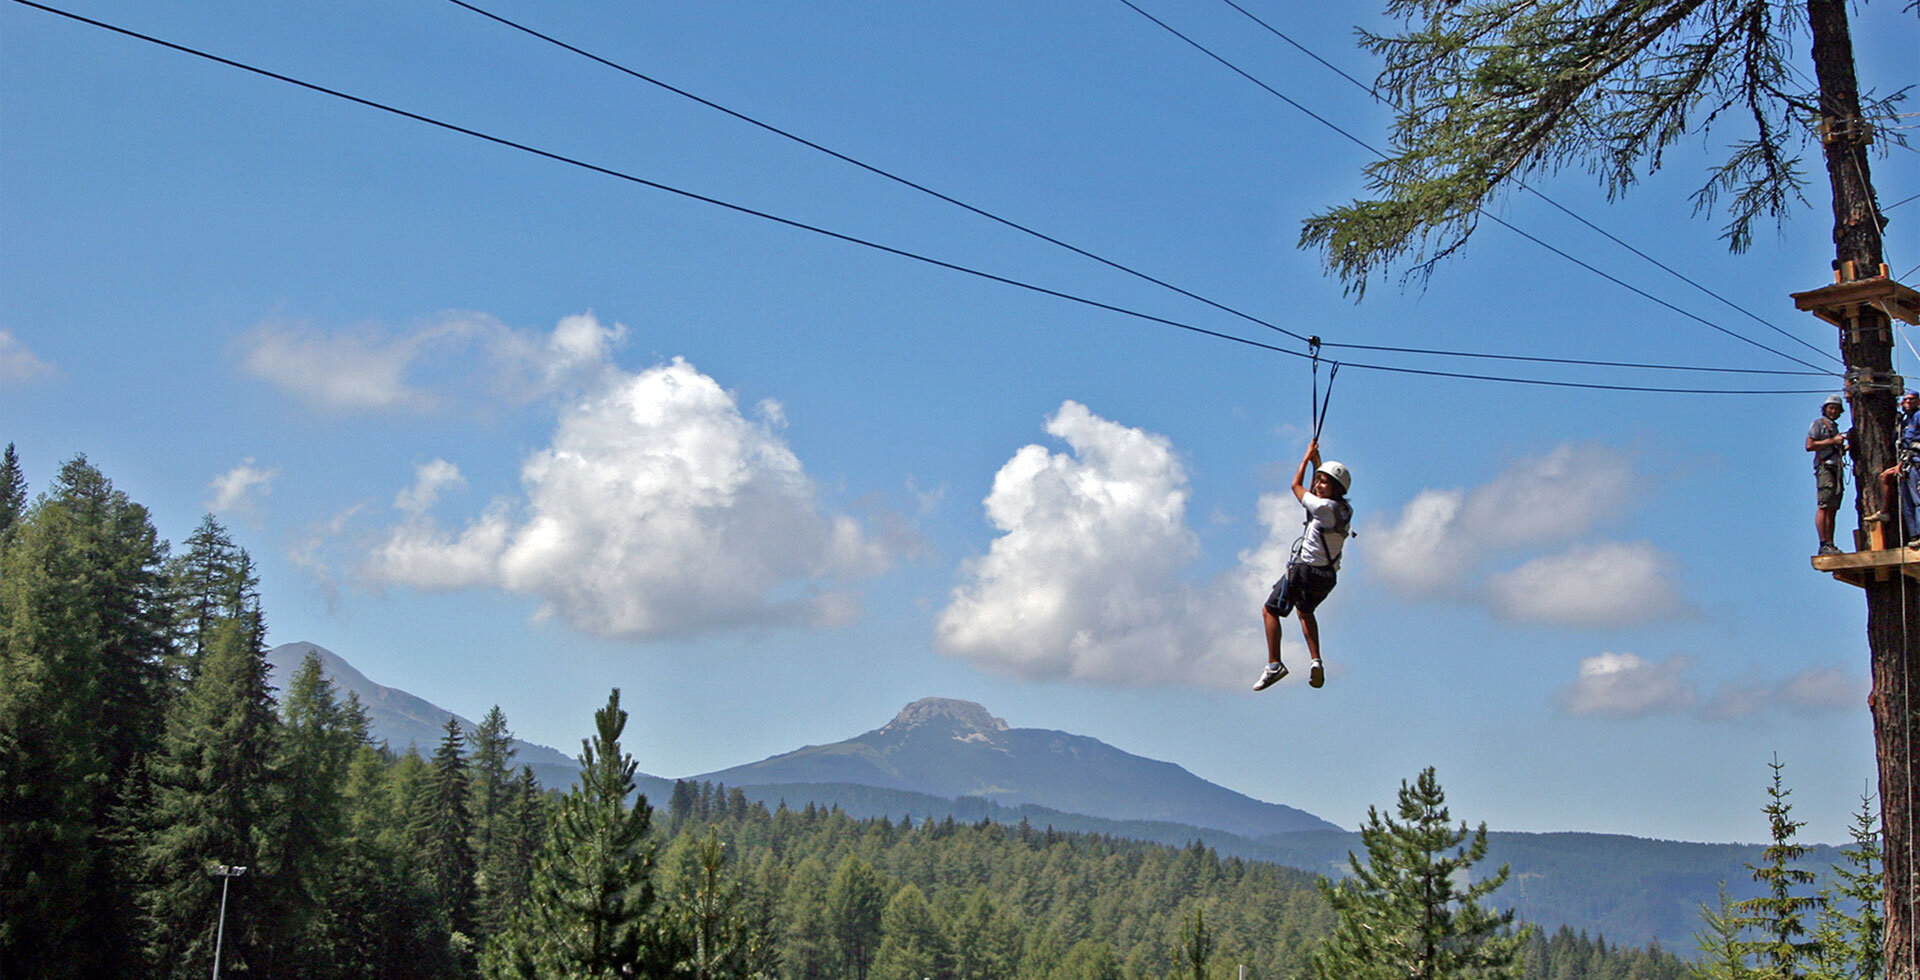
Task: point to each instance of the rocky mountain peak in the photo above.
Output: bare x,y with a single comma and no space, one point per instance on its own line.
964,715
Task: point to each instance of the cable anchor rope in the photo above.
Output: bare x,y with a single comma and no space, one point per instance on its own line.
1319,405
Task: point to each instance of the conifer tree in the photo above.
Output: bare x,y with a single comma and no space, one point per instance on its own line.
1779,917
495,796
442,831
1851,925
592,912
210,782
680,805
13,491
855,904
319,740
510,876
390,923
207,582
806,945
492,774
1722,942
912,942
81,643
1088,960
985,942
710,915
1410,911
1196,945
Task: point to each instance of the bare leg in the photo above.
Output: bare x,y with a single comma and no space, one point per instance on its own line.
1273,634
1310,629
1823,524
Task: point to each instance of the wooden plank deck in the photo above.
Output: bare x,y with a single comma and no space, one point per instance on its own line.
1861,567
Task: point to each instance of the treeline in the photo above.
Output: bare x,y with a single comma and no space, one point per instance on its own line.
141,751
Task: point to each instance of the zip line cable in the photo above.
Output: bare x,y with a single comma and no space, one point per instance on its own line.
1203,49
1610,236
904,181
851,239
867,167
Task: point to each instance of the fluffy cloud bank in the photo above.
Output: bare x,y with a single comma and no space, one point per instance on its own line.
1083,581
1589,585
659,509
1622,685
1443,541
370,369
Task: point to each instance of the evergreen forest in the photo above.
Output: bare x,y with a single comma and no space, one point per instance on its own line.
163,808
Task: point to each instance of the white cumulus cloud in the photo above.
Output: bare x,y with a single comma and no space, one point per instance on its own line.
1607,584
18,364
659,509
1622,685
1425,552
1083,580
1441,535
358,370
1818,690
452,359
429,481
1814,691
238,489
1449,543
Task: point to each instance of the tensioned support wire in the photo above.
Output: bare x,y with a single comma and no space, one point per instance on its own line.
855,240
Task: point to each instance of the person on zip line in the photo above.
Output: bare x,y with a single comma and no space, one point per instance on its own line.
1314,564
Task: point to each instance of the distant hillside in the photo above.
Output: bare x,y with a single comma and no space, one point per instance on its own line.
942,758
404,720
951,749
1629,889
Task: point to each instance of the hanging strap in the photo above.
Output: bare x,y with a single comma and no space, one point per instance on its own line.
1319,405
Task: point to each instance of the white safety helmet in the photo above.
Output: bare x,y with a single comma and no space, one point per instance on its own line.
1338,473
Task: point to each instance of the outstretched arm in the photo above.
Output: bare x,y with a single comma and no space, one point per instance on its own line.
1300,475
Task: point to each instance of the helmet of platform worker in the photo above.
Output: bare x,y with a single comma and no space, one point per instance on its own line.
1337,472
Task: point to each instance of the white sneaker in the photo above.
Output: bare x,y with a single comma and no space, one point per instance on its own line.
1316,676
1271,676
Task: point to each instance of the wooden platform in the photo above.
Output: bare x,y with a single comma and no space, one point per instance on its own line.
1860,567
1840,302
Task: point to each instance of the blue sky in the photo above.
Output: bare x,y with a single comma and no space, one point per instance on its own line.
502,430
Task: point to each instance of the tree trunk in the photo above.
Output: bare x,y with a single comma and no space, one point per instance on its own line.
1893,607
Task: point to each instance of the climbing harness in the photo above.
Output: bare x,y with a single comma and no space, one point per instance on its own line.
1342,509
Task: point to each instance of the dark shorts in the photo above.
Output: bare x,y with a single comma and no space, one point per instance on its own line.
1827,482
1303,587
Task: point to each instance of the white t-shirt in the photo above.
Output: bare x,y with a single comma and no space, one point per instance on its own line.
1326,530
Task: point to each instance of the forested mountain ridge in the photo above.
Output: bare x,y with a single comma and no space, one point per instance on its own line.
949,748
938,747
404,720
1629,889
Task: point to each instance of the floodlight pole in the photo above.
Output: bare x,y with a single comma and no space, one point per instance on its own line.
226,874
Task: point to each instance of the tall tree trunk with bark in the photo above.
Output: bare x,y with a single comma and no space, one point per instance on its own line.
1893,607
